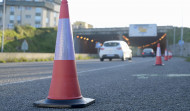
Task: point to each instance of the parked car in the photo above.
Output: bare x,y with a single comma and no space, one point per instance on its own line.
115,50
148,52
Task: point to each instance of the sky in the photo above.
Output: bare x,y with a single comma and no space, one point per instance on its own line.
121,13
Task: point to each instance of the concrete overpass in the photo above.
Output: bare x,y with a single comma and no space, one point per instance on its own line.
104,34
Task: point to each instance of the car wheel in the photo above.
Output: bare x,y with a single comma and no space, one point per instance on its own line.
123,58
101,59
110,59
129,58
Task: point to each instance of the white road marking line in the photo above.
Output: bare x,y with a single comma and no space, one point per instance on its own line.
41,78
48,77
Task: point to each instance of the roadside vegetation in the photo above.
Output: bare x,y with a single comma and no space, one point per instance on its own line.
186,35
43,39
188,59
40,60
38,39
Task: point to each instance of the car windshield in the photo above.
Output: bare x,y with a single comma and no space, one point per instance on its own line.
148,50
111,44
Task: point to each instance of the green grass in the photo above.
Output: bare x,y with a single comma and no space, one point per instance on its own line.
41,60
186,35
188,59
25,60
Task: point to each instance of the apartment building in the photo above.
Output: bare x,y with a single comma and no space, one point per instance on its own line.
37,13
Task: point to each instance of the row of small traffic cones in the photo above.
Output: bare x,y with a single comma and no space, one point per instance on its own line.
167,56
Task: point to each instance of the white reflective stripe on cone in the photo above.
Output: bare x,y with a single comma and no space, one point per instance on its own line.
166,53
158,52
64,44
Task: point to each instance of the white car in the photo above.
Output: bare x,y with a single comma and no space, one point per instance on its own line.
115,49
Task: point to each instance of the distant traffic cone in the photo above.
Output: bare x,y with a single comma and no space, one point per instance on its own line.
158,56
166,55
64,90
169,54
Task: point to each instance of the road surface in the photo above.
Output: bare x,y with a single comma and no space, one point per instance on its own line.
137,85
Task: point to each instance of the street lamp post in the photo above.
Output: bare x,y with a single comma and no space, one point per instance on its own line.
174,42
181,52
2,40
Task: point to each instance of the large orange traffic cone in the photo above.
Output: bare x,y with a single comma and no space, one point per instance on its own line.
166,55
158,56
64,89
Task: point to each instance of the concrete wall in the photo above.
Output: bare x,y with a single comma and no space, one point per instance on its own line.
6,56
176,49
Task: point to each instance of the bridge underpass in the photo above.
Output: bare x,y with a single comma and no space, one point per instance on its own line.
105,34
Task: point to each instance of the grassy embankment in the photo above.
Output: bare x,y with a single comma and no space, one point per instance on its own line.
39,40
186,35
43,40
188,59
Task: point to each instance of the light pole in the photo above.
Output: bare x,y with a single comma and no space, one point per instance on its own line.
2,40
181,52
174,42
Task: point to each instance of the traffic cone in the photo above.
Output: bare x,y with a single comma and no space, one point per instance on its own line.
169,54
166,55
158,56
64,90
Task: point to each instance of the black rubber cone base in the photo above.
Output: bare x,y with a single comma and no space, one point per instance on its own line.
158,64
75,103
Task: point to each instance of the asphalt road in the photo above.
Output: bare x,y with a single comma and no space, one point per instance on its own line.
116,85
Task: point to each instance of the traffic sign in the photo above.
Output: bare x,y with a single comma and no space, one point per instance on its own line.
181,42
98,45
24,46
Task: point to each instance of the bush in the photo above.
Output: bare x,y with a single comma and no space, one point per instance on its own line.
2,61
188,59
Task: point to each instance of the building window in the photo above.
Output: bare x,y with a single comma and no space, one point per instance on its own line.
1,13
55,14
12,9
37,22
38,25
55,23
10,26
38,14
28,8
28,0
11,13
36,0
28,16
47,20
38,10
11,21
19,7
37,18
12,17
18,17
19,22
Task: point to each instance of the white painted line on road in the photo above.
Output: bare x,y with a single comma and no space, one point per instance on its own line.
48,77
111,67
41,78
178,75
